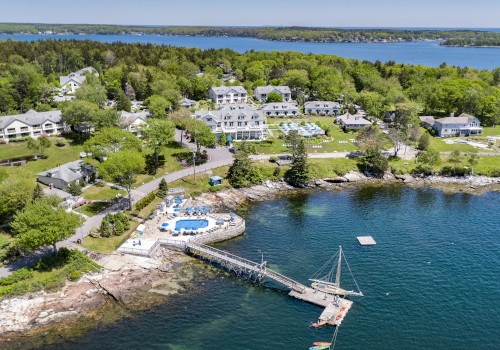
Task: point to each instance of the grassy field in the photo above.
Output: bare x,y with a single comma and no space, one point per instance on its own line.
108,245
101,193
94,208
274,145
487,165
490,131
202,184
55,156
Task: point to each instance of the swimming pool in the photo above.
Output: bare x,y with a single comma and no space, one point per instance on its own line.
190,224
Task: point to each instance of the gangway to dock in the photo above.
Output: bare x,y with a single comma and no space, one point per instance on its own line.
335,308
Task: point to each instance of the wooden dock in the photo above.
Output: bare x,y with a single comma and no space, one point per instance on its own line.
335,308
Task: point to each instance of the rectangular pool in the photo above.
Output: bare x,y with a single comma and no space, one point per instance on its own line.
190,224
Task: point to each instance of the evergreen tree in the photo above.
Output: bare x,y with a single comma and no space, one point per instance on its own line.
298,174
123,102
424,142
38,192
162,188
375,162
106,228
74,189
242,173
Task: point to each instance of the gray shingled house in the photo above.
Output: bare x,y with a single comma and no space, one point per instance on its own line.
61,176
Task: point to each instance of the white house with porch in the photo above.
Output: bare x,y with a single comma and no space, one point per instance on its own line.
261,92
223,95
238,122
353,122
463,125
70,83
321,108
32,124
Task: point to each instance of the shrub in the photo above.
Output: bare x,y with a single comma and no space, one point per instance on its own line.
20,139
16,276
144,202
60,142
195,194
74,276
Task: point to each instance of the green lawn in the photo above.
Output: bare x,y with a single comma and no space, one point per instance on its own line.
490,131
202,184
93,208
102,193
54,157
274,145
110,244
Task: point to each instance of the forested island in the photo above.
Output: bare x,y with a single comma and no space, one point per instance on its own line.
460,37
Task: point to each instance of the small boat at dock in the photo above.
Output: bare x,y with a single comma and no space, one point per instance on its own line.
322,343
323,280
320,347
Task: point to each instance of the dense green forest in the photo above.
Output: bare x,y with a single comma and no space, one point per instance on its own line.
161,75
478,42
468,37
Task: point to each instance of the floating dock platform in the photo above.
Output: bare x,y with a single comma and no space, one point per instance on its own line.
366,240
335,312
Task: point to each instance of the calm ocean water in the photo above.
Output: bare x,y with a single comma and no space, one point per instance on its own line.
426,53
431,282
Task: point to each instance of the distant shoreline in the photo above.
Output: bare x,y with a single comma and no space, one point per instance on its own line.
284,34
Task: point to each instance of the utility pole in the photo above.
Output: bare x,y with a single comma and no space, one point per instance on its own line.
194,166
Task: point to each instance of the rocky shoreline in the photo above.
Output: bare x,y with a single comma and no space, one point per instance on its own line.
232,198
140,283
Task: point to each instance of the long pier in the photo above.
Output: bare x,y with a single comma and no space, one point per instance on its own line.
335,308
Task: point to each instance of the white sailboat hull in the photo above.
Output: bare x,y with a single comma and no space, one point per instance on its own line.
330,288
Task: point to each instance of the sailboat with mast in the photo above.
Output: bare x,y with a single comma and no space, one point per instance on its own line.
327,278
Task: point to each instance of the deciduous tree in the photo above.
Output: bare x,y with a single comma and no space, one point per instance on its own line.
111,140
157,134
41,223
123,167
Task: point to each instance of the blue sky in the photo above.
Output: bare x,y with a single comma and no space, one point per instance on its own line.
331,13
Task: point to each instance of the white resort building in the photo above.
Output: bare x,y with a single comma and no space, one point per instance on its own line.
281,109
463,125
238,122
261,92
354,122
32,124
70,83
222,95
321,108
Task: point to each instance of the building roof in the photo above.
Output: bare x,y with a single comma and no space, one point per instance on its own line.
223,90
67,172
31,118
87,70
129,118
427,119
321,104
270,88
187,102
461,119
65,79
353,119
279,106
232,110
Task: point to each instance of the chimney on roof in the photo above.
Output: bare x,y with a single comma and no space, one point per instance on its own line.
452,114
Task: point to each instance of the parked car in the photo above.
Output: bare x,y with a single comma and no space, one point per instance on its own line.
232,150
